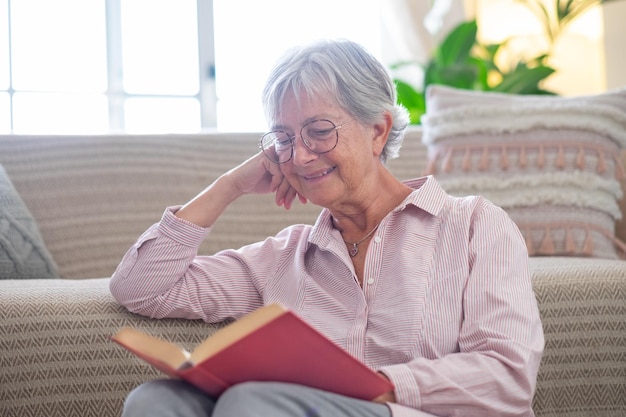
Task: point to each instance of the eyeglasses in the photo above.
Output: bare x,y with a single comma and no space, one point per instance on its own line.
319,136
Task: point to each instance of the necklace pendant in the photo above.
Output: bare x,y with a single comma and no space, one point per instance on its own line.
354,250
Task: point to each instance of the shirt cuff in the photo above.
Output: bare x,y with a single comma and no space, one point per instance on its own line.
406,388
182,231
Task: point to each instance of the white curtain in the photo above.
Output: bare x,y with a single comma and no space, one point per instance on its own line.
411,29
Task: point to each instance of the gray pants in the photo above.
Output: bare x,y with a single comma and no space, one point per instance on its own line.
169,398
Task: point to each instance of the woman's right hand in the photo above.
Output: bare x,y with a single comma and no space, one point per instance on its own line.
258,175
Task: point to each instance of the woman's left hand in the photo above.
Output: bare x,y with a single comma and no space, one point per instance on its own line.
388,397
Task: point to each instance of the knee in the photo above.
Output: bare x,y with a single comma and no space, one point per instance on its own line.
244,392
147,398
250,399
139,399
164,398
245,398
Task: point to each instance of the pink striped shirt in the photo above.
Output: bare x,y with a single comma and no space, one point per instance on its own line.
446,310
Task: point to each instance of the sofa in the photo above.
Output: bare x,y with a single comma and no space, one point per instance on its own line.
90,197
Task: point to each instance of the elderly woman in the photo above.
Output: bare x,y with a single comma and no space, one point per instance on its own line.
432,291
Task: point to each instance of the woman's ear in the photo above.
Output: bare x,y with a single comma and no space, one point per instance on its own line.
381,133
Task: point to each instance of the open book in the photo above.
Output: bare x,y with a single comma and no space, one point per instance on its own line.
269,344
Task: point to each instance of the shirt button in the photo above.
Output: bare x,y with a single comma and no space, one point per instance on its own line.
370,281
377,239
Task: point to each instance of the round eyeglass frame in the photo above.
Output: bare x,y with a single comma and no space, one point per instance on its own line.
269,153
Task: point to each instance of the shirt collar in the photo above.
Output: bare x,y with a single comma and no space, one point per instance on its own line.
427,195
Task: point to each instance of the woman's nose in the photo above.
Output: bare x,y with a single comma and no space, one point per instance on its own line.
301,153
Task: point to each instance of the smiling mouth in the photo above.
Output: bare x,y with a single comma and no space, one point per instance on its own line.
321,174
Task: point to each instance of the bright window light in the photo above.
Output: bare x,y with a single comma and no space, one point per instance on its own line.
94,66
160,47
5,114
4,46
54,113
162,115
245,57
58,50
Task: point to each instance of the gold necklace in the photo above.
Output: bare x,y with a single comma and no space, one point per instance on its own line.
355,245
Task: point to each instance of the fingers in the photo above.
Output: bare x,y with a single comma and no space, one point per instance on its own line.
288,200
285,194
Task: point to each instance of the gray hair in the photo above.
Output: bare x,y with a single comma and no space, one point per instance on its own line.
343,69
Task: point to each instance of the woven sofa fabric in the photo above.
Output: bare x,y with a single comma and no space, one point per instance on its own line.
582,303
553,163
93,196
23,253
55,353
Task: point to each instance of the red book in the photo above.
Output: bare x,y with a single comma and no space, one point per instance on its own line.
269,344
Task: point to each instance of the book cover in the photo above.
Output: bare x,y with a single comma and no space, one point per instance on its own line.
269,344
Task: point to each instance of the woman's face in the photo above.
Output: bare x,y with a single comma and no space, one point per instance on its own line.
336,177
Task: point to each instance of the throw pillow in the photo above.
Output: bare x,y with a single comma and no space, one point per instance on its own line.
22,250
553,163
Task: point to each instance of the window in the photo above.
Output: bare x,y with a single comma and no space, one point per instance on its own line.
251,35
146,66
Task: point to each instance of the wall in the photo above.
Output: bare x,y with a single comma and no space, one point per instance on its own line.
614,39
589,56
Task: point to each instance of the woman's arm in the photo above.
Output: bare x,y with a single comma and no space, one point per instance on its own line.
161,274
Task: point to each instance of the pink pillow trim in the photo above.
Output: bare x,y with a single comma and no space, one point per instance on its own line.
523,149
547,246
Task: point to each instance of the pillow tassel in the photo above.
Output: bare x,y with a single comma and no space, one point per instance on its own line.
529,243
431,166
467,159
570,244
601,168
447,161
541,158
621,247
588,246
522,157
484,159
547,245
580,158
560,159
504,159
619,168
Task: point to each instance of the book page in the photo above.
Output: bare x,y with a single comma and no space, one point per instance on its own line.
148,346
236,330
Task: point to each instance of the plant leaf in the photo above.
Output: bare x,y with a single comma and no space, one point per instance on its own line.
524,80
402,64
413,100
456,47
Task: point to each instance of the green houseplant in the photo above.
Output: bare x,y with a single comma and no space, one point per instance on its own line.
461,61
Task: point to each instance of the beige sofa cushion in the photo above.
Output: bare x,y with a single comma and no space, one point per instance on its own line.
55,353
582,303
57,360
93,196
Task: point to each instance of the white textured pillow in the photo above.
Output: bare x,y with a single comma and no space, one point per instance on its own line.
553,163
23,253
